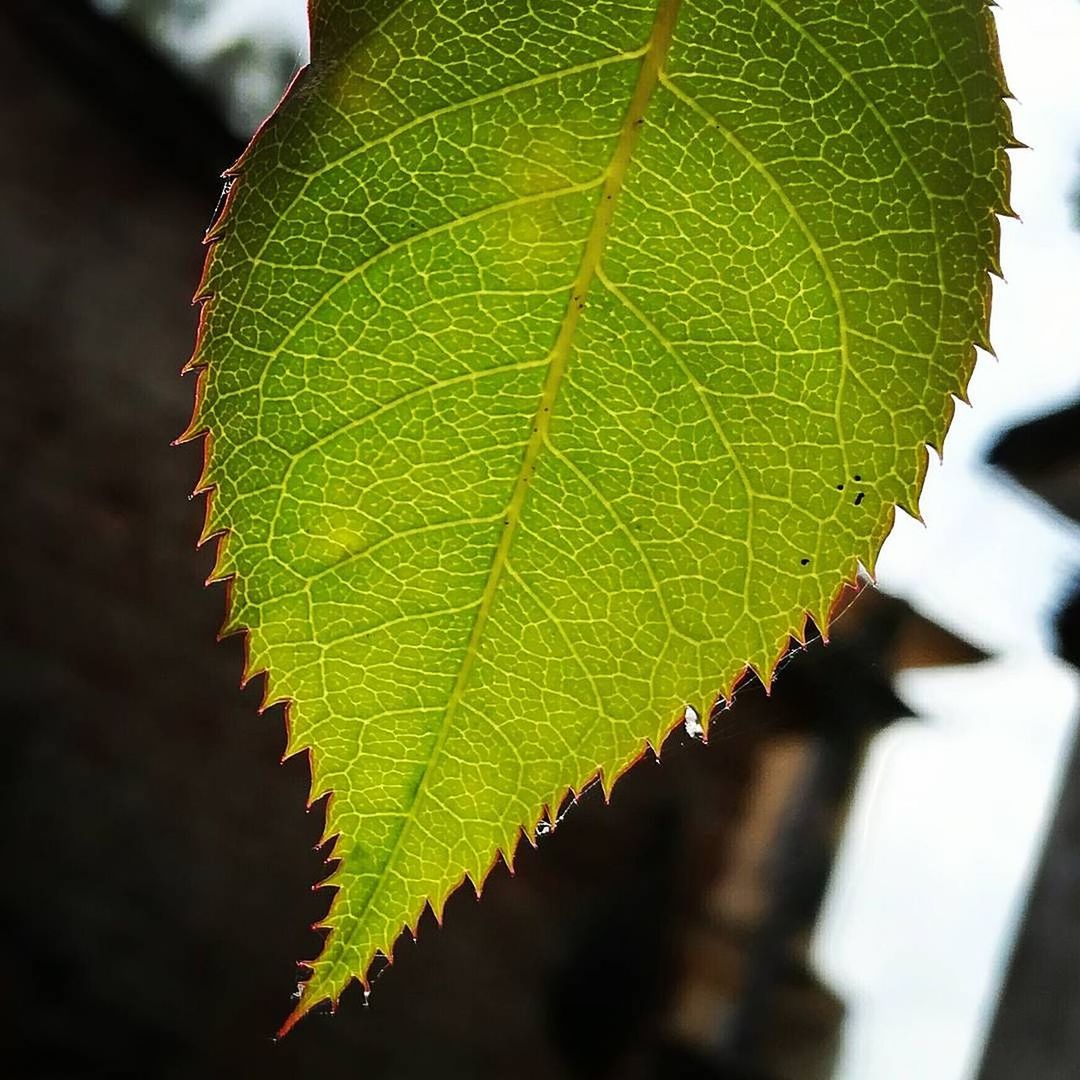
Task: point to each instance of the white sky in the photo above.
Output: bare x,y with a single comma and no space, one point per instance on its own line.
947,819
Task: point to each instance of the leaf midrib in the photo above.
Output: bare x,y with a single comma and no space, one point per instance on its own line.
653,56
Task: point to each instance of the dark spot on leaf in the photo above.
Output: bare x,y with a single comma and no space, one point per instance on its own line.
856,478
859,498
839,487
804,562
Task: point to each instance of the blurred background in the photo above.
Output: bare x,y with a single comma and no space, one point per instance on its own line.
873,875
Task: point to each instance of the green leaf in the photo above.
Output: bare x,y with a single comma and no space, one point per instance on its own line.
558,357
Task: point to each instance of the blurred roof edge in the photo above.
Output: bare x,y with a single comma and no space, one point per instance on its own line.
1044,455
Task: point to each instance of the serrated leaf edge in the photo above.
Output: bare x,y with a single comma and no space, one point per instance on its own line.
849,581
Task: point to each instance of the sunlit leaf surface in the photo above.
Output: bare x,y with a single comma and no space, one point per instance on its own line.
559,356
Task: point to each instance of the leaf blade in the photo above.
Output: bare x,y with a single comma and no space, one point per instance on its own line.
407,262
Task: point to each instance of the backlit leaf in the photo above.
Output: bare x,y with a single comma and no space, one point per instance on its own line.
558,358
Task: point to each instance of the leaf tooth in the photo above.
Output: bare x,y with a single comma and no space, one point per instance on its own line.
196,429
437,901
213,529
202,299
478,875
250,674
608,778
832,606
728,689
412,928
331,878
993,267
222,572
814,619
509,854
256,658
765,671
1004,207
197,425
674,721
252,663
276,688
296,743
799,634
273,694
321,786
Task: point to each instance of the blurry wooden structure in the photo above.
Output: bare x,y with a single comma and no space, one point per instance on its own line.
1036,1030
158,859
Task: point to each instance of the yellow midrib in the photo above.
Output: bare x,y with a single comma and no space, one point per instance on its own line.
648,78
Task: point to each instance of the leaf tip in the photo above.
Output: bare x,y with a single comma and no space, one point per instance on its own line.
306,1000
